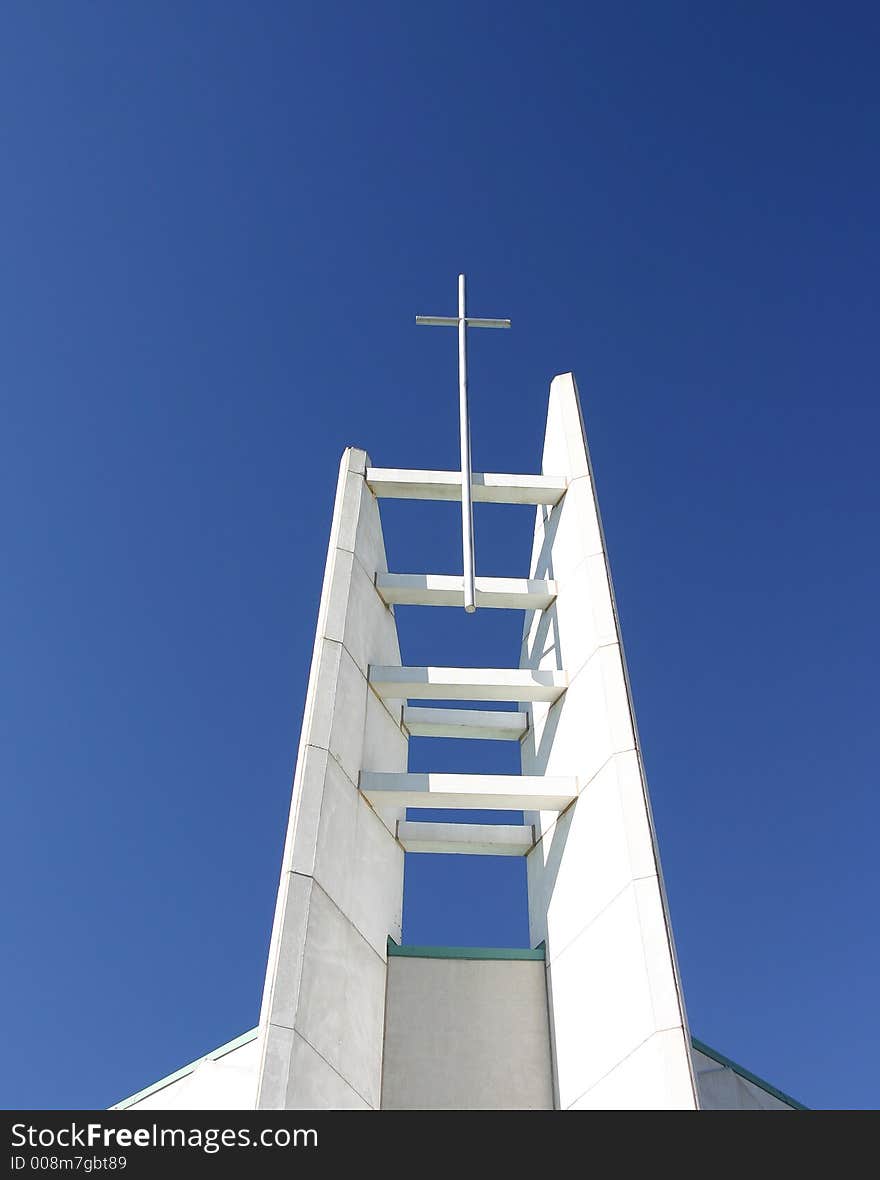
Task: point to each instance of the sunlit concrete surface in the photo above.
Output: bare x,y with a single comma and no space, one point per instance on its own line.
466,1035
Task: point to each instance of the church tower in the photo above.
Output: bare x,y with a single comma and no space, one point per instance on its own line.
590,1015
593,1015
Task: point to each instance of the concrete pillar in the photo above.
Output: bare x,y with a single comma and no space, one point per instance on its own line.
341,890
618,1026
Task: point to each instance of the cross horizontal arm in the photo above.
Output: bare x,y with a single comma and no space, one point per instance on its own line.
445,321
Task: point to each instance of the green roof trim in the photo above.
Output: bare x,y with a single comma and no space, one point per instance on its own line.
463,952
185,1070
747,1074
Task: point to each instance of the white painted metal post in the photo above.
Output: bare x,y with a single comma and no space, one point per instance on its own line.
467,508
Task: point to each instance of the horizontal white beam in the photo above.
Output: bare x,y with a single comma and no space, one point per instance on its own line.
503,792
488,487
466,839
467,684
448,590
489,725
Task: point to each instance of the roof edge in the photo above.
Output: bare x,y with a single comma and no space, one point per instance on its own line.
448,952
185,1070
747,1074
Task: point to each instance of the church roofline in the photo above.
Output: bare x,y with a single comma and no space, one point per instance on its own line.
185,1070
747,1074
449,952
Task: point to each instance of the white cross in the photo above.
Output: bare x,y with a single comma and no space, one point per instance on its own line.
462,321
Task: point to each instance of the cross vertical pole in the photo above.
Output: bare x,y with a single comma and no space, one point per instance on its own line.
463,322
467,508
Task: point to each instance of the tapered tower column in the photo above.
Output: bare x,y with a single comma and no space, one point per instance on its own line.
340,895
618,1027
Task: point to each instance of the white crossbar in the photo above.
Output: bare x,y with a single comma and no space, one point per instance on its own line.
487,487
503,792
467,684
466,839
448,590
486,724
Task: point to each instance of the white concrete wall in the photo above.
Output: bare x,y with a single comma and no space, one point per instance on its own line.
620,1037
465,1034
341,889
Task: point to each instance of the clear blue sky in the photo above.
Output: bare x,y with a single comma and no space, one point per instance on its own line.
218,222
